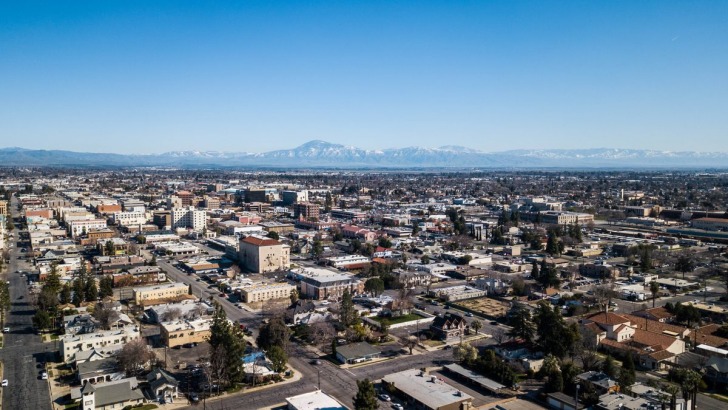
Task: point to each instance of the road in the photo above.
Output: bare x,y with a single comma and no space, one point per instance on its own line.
23,350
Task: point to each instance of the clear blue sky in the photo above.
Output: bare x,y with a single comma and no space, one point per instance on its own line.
154,76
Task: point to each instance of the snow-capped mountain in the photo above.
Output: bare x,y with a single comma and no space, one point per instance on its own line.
324,154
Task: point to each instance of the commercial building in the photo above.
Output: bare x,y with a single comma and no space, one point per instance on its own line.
306,211
81,227
293,197
160,292
324,284
72,344
189,218
260,254
423,391
356,353
129,218
266,291
315,400
180,332
349,261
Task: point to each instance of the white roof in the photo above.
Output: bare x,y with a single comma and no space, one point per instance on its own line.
315,400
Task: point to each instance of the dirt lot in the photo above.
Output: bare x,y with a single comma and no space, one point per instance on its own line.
486,306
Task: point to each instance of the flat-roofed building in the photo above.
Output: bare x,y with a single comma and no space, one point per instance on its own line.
72,344
324,284
424,391
260,254
180,332
266,291
166,291
315,400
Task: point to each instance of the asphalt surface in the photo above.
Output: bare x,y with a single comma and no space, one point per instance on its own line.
23,350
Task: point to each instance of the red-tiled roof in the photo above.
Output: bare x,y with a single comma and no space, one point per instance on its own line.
608,318
260,242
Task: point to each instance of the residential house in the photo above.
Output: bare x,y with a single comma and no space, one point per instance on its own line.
356,353
448,327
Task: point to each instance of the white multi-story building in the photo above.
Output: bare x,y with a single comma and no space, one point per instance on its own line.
189,218
72,344
76,228
129,218
266,291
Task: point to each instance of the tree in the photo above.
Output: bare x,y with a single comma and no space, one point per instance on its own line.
366,396
521,325
4,301
555,382
42,320
385,242
626,374
273,333
90,289
684,264
476,325
109,248
654,289
227,346
328,202
465,353
425,259
535,273
278,358
273,235
347,314
78,292
552,243
105,315
294,296
65,295
134,356
410,342
106,287
153,262
554,335
375,286
609,368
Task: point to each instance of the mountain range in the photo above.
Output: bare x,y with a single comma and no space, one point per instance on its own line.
324,154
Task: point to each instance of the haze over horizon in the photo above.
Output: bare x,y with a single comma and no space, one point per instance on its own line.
132,77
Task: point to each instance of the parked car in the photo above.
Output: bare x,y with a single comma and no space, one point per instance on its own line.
4,383
44,376
384,397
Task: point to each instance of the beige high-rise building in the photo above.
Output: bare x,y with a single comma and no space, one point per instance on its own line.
260,254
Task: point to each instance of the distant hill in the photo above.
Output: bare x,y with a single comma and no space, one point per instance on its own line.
324,154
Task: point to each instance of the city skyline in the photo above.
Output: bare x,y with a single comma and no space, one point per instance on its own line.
132,77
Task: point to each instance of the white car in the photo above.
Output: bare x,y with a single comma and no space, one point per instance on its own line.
397,406
6,330
4,383
44,376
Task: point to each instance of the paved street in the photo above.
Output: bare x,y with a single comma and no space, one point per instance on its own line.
23,350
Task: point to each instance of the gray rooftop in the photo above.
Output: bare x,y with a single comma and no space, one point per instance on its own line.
355,350
483,381
421,387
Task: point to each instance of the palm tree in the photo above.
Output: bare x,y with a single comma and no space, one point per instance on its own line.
672,390
655,289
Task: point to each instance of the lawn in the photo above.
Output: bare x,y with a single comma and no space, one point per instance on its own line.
400,319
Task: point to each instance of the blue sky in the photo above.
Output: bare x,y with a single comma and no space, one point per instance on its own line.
155,76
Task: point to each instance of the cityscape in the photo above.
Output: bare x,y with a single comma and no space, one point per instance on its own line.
316,205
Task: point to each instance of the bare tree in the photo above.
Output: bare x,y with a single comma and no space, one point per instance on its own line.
134,356
171,314
105,315
322,333
410,342
500,336
604,294
199,310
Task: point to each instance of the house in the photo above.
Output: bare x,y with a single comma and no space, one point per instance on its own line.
617,333
517,353
449,326
79,324
115,394
601,382
104,370
163,385
659,314
356,353
73,344
305,311
716,369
